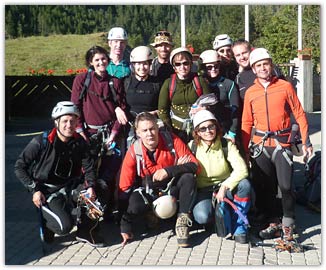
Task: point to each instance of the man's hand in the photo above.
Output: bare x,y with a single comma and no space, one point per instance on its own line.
126,237
38,199
121,116
160,175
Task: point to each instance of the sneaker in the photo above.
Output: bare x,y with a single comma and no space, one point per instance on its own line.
48,235
241,234
92,239
272,231
182,229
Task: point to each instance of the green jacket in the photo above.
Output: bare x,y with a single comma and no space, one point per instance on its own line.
215,169
184,96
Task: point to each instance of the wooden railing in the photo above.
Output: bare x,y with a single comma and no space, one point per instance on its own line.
35,96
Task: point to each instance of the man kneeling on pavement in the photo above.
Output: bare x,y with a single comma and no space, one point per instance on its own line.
154,166
50,166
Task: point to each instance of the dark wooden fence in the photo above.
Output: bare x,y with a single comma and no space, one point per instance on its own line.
35,96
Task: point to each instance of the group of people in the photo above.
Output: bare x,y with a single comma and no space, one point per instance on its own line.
150,136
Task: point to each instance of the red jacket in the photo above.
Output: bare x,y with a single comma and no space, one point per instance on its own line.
270,109
164,159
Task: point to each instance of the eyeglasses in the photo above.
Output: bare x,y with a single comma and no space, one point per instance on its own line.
204,129
178,64
216,66
163,33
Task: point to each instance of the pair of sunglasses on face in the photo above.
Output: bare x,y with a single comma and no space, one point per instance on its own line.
178,64
210,67
208,128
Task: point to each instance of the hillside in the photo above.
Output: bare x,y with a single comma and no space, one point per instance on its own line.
57,52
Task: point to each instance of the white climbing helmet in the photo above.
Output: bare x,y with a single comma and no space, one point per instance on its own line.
140,54
202,116
209,56
221,41
179,50
165,206
258,54
117,33
63,108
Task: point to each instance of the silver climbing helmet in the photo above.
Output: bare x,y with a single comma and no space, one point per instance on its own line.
63,108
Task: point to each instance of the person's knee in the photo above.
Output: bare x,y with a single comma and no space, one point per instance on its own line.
61,229
244,188
202,213
138,204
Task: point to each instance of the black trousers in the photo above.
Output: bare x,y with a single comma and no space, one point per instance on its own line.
183,189
268,175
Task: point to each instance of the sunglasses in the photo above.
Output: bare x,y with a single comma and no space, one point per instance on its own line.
209,128
163,33
178,64
216,66
224,50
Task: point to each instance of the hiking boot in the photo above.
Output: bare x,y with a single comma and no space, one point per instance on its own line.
287,233
272,231
91,238
287,242
182,229
152,221
48,235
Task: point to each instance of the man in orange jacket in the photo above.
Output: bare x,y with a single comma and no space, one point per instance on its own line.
266,124
144,179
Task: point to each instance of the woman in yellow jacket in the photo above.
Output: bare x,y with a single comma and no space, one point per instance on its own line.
222,177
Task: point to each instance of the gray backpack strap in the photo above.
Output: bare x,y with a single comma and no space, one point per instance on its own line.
224,147
193,147
138,155
168,140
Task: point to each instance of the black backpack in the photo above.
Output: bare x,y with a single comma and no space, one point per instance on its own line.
310,194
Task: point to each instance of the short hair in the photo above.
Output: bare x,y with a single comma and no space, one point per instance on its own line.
145,116
242,41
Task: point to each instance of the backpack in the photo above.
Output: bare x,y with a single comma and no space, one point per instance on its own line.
310,194
86,86
195,82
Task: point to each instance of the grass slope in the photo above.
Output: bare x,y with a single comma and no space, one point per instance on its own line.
57,52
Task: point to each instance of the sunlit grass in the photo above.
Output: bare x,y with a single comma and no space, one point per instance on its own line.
58,53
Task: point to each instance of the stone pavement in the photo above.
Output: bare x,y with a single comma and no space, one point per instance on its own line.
23,245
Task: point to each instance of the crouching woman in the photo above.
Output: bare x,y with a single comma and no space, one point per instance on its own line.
223,195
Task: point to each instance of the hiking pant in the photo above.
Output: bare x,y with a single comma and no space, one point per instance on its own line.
183,189
270,174
203,211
